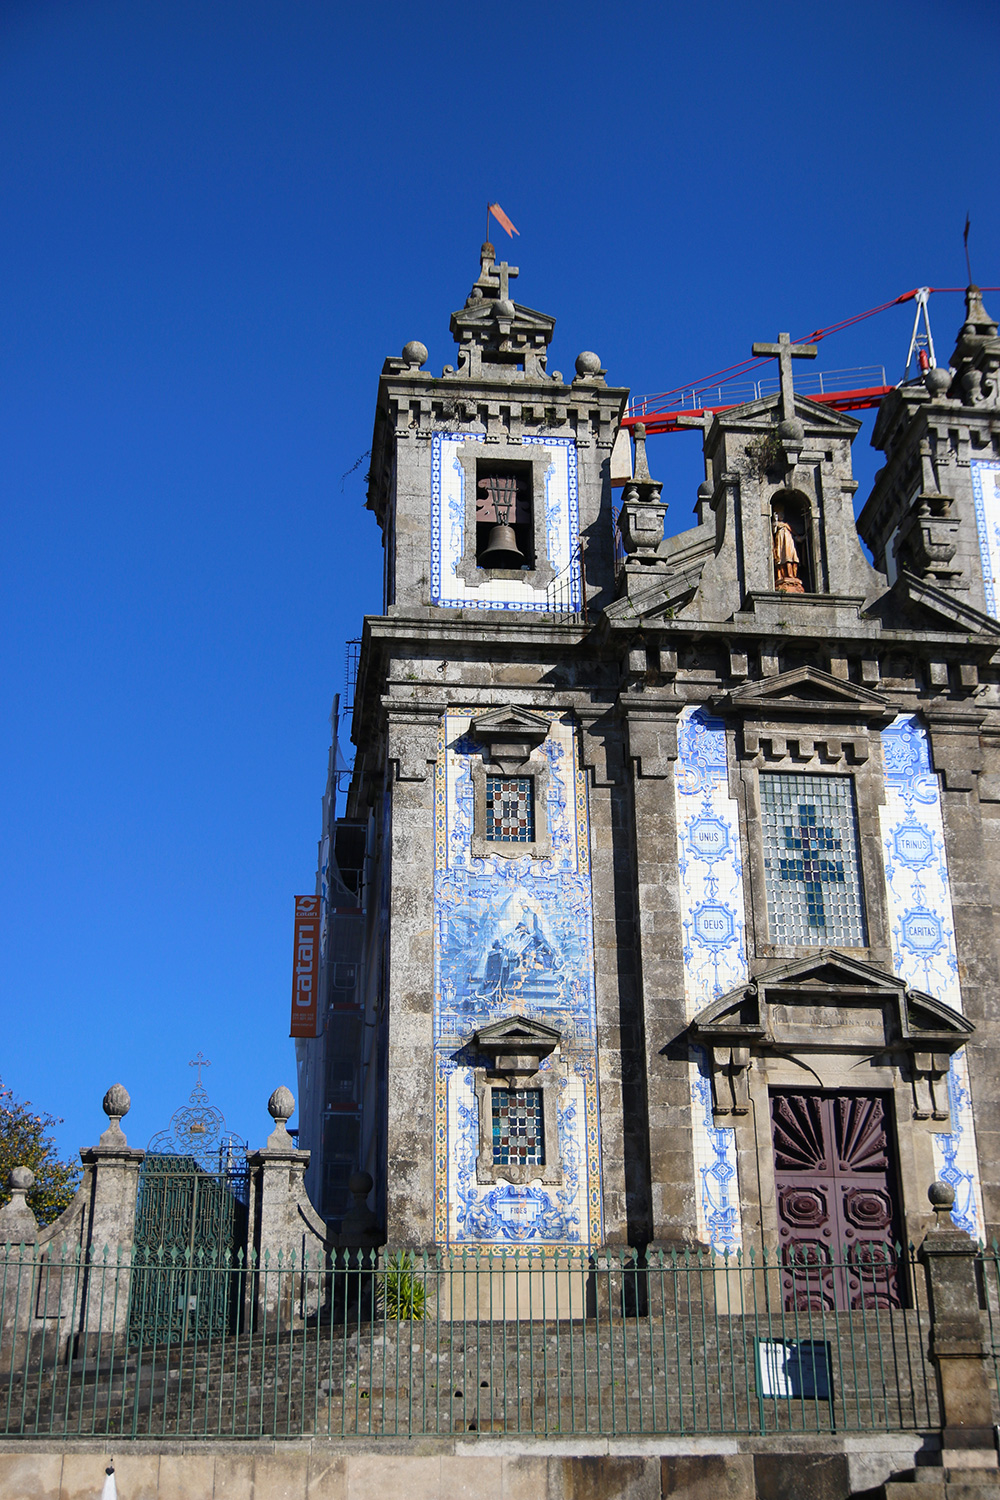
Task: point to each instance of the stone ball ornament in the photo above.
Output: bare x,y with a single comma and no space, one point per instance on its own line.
21,1179
360,1184
415,353
588,363
937,380
503,307
791,431
941,1195
117,1102
281,1105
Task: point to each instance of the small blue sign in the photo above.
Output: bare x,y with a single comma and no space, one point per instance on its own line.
713,924
709,838
913,844
922,931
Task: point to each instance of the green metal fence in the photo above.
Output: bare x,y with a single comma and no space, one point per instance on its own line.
406,1344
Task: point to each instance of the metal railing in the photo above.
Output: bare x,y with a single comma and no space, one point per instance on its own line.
412,1344
737,392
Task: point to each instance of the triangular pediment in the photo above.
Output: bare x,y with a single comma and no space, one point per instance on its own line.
762,414
517,1030
939,607
806,688
829,983
510,720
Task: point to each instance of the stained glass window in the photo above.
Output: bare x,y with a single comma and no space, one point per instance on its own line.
811,865
510,810
517,1128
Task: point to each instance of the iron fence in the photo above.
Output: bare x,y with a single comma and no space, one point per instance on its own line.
410,1344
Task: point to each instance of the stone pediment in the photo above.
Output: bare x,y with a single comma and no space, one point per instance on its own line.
807,692
939,608
831,1002
764,413
516,1046
510,734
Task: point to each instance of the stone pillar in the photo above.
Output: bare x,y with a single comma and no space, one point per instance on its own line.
286,1231
18,1252
950,1255
111,1183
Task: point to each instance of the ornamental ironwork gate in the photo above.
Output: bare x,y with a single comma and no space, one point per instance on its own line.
190,1226
838,1216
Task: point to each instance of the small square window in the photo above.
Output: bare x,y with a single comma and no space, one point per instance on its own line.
510,810
518,1139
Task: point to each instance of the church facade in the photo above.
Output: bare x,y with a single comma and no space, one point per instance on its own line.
675,911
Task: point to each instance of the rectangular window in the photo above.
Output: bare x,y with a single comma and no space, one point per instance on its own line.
517,1128
510,810
811,866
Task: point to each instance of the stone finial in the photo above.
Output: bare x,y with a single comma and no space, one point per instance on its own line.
641,474
942,1200
281,1107
18,1224
415,354
977,319
937,380
588,366
116,1105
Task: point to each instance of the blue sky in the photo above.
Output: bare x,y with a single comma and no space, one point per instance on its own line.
218,219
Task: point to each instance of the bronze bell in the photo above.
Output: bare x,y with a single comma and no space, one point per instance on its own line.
502,551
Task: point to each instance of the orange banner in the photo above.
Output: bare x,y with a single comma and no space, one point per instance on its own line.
305,967
502,218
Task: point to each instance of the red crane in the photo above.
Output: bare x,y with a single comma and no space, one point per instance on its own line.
660,413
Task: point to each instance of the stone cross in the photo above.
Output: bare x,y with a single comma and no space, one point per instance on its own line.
785,351
503,270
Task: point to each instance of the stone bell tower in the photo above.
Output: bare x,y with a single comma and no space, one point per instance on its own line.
933,512
495,441
491,484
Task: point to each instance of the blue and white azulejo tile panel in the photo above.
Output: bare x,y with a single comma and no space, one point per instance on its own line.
922,925
710,871
986,494
448,521
514,936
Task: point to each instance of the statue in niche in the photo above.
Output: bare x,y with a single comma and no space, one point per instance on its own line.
788,547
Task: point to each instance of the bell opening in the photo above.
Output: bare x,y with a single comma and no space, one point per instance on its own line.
504,534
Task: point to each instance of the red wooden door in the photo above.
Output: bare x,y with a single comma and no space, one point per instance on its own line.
838,1212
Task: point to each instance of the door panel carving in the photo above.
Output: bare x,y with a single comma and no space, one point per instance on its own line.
838,1213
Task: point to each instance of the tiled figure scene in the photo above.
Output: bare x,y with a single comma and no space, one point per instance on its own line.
510,809
811,867
918,888
518,1138
986,494
514,936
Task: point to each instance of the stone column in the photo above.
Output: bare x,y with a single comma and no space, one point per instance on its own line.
950,1255
286,1231
18,1252
111,1185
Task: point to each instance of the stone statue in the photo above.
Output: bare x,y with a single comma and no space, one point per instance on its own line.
786,555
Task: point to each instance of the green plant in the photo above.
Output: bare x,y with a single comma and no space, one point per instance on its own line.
764,452
25,1142
401,1292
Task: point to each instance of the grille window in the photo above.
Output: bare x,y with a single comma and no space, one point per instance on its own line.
517,1128
510,810
811,866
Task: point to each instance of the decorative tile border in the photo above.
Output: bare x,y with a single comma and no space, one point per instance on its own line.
562,529
922,924
710,872
986,495
513,935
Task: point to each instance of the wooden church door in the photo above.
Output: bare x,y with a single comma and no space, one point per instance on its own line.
838,1204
